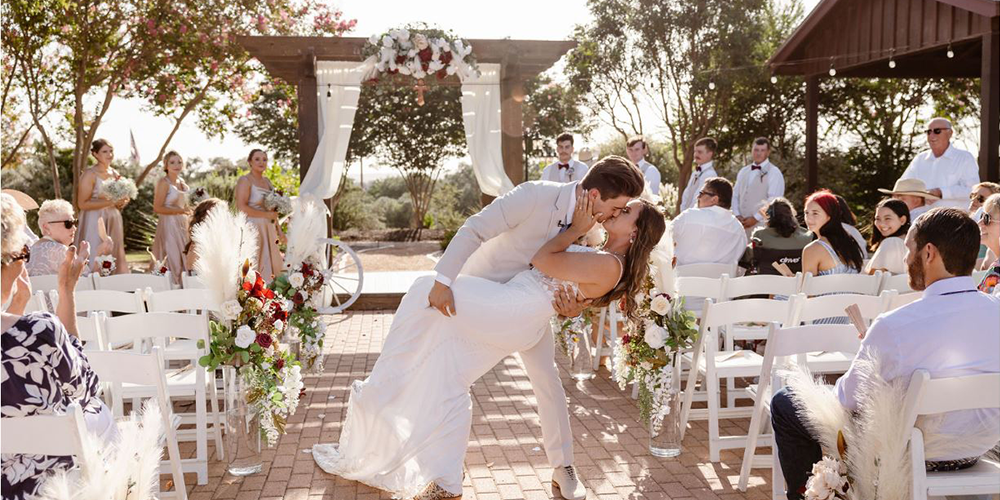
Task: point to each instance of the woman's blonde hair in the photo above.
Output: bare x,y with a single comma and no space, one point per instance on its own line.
166,158
53,210
12,236
992,204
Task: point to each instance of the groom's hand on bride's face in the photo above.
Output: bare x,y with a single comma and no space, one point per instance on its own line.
442,299
568,304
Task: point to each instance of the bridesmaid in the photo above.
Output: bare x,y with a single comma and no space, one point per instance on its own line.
95,209
250,191
170,203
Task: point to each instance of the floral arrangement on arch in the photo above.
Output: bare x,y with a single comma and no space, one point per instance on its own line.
649,349
418,53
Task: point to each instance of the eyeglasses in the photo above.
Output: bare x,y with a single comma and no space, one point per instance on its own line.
706,193
24,255
976,197
66,223
986,218
936,131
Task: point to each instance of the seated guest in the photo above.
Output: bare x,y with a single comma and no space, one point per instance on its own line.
780,241
44,367
941,250
200,214
851,225
28,204
989,229
978,195
709,233
892,221
947,171
834,251
914,193
57,226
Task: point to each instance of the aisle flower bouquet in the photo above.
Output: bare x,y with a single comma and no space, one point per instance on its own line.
119,189
302,287
245,337
569,331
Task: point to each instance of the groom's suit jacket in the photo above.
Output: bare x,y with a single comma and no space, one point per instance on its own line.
501,239
498,243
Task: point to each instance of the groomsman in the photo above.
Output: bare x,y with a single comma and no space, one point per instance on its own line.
636,149
756,185
566,169
704,153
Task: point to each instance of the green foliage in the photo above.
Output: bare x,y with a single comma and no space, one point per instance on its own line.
390,187
551,108
354,210
275,122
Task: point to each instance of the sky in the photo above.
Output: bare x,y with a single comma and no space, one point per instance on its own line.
520,19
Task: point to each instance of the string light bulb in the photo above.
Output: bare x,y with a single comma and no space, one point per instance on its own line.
951,53
711,85
892,60
774,79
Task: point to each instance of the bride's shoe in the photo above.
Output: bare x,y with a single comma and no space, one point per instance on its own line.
435,492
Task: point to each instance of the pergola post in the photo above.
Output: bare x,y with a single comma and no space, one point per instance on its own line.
812,126
307,92
512,119
989,135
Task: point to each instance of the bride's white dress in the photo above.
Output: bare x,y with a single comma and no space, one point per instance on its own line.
408,423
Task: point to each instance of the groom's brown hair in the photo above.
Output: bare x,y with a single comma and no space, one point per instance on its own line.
614,176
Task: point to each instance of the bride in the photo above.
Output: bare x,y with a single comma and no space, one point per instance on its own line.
407,426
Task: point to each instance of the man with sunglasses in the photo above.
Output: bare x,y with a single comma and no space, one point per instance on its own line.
948,172
58,228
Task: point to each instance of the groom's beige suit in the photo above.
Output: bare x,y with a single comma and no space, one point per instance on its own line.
496,244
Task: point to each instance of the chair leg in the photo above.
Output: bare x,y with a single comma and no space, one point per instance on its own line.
599,346
689,394
713,417
201,435
777,477
217,417
174,456
748,453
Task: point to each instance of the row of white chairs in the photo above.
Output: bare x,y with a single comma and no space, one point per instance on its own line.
121,282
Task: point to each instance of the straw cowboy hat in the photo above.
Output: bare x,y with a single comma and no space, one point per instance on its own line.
912,187
26,202
586,154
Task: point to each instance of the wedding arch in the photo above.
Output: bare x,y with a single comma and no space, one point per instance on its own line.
328,74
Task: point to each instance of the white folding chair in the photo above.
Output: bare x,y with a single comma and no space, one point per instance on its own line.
926,397
90,329
189,280
188,381
705,270
609,313
897,282
862,284
695,289
56,435
46,282
106,301
36,303
706,361
118,369
795,341
761,284
811,309
132,281
897,300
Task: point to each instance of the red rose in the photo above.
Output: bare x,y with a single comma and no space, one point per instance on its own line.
442,74
446,57
264,340
626,339
279,364
426,55
106,264
400,59
298,299
307,269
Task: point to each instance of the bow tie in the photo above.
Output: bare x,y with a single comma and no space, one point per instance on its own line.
697,169
563,165
755,167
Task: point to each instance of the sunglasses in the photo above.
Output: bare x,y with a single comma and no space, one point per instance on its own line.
66,223
936,131
706,193
986,219
978,198
24,255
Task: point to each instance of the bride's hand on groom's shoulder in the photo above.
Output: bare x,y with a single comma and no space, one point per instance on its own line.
584,217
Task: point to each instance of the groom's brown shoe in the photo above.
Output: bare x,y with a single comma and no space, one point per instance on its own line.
568,482
435,492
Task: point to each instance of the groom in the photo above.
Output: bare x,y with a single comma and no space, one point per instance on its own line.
498,243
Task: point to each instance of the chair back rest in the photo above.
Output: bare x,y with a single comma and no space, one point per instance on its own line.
698,286
812,308
58,435
764,259
118,367
926,396
182,300
132,281
862,284
107,301
36,303
761,284
158,325
90,329
745,311
46,282
798,341
897,282
189,280
897,300
705,270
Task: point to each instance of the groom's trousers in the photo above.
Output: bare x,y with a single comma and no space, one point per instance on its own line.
553,409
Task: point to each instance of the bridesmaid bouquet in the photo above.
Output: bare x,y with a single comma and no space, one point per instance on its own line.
119,189
197,195
278,202
106,265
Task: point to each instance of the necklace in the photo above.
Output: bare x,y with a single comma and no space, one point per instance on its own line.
616,254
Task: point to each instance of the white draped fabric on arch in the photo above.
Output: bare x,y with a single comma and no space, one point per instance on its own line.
342,79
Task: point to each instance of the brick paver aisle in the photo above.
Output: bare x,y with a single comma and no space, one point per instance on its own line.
505,459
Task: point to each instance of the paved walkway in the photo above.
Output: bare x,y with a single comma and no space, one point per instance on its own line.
505,460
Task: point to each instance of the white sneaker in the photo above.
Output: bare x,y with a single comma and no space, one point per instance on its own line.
569,484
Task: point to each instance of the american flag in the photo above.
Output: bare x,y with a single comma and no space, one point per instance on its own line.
135,149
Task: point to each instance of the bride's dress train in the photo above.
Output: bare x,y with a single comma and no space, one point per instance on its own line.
408,424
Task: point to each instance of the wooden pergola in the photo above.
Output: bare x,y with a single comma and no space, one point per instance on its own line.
924,39
293,59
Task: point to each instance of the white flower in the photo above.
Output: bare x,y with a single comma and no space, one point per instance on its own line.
269,352
265,365
655,335
373,39
420,41
245,336
660,305
825,481
435,66
387,41
231,309
279,325
296,280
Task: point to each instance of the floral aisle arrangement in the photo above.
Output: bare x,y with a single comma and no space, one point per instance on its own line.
119,189
572,338
419,54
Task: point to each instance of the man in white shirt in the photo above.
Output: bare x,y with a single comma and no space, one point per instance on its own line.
636,149
566,169
914,193
709,233
952,331
704,152
756,185
948,172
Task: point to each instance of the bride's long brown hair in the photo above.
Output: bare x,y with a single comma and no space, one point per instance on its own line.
649,228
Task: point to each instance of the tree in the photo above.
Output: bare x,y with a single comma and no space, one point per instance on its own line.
413,139
552,108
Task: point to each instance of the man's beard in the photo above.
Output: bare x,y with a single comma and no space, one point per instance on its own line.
915,271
